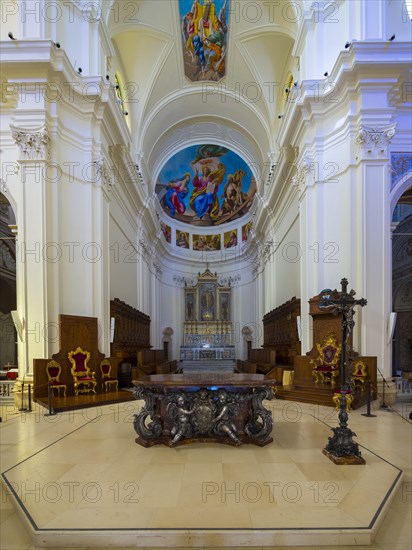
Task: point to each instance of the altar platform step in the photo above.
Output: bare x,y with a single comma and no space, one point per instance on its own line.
207,365
317,396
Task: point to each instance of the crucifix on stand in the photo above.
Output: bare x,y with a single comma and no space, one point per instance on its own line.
341,448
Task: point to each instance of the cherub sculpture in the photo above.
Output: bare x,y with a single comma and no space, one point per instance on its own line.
181,419
224,424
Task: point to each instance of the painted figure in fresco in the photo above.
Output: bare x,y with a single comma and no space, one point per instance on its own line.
232,240
246,230
215,43
203,199
200,243
214,242
188,30
181,240
176,191
208,154
167,232
232,193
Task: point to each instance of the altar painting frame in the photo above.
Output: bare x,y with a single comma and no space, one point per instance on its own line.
207,304
190,306
224,306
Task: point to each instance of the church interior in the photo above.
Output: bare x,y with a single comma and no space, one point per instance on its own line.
206,274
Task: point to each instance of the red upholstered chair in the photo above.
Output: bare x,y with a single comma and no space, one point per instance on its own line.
106,367
359,374
326,365
349,399
83,379
54,370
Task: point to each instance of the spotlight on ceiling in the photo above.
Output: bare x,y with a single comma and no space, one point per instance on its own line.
347,45
107,78
280,116
80,70
326,74
287,90
10,35
125,113
57,44
392,38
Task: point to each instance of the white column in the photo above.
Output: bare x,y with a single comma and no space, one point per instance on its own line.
32,246
375,243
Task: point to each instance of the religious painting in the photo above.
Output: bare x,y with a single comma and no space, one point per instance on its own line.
224,306
230,239
246,230
204,29
182,239
205,185
167,232
207,301
190,306
206,242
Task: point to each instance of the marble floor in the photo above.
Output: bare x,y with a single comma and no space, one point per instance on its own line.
78,479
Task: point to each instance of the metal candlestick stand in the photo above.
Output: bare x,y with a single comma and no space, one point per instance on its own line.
341,448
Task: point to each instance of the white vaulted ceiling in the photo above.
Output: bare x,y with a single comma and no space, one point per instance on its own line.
171,112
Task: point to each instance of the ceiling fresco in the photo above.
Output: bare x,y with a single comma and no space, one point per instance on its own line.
204,35
205,185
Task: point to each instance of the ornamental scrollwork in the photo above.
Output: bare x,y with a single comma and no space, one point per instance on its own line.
32,145
153,428
260,424
374,142
103,174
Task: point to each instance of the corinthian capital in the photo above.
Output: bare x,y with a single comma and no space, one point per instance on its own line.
32,145
373,142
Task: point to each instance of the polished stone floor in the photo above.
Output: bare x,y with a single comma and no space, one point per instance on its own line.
81,481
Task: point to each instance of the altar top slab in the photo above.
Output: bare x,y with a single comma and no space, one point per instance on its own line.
188,380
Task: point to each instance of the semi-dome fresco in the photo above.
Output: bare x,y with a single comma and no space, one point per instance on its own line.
206,185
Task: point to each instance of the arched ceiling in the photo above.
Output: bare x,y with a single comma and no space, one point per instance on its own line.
148,40
169,112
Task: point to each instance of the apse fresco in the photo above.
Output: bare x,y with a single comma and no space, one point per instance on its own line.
206,185
204,29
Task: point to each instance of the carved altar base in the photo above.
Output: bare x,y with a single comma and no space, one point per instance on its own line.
223,408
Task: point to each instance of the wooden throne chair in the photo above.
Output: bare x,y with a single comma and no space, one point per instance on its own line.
83,379
326,365
53,370
105,368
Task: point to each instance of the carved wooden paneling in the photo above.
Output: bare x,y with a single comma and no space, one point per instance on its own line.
131,329
76,331
280,331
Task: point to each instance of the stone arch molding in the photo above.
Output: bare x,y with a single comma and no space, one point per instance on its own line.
399,189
